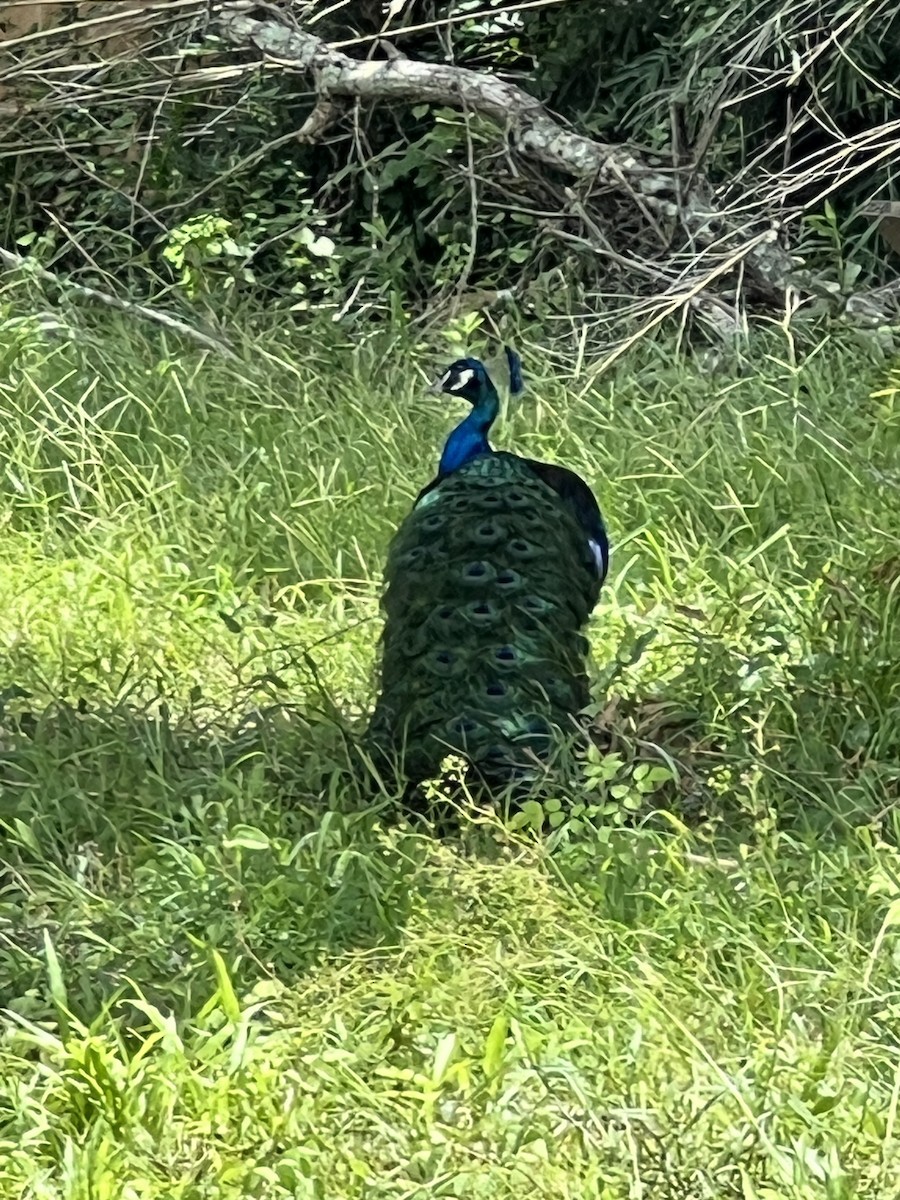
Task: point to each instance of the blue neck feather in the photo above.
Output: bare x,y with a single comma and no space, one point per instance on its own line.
470,437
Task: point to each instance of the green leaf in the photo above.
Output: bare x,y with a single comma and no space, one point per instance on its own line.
26,835
228,1000
892,916
247,838
495,1045
443,1055
57,985
322,247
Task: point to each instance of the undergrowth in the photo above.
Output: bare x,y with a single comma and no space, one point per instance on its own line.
225,973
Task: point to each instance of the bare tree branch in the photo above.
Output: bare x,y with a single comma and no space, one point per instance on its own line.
531,129
16,261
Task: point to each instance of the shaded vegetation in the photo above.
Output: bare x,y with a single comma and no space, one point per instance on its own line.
192,179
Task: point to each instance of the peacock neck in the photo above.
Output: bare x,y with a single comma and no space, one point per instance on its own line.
470,437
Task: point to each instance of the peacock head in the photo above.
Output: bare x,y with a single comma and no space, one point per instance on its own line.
467,377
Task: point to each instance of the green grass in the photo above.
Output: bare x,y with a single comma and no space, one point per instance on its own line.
221,975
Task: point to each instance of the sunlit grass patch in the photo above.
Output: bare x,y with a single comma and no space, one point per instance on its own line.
223,973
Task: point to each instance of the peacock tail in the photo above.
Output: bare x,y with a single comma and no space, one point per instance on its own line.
490,581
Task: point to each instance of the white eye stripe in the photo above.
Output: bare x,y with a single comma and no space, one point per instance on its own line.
464,377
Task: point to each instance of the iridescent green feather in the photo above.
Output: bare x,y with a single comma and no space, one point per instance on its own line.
490,582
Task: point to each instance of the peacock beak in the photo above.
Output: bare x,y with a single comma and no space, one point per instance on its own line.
437,388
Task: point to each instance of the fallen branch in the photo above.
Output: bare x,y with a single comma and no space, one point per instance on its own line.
18,262
531,129
671,302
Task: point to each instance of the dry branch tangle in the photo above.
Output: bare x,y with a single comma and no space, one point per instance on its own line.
530,127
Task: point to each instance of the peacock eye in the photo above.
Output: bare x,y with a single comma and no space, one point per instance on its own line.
508,578
464,726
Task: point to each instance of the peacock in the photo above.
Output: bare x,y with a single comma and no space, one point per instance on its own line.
490,580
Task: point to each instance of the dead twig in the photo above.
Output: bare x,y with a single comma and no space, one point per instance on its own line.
18,262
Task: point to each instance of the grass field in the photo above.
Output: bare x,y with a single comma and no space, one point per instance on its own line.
219,980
